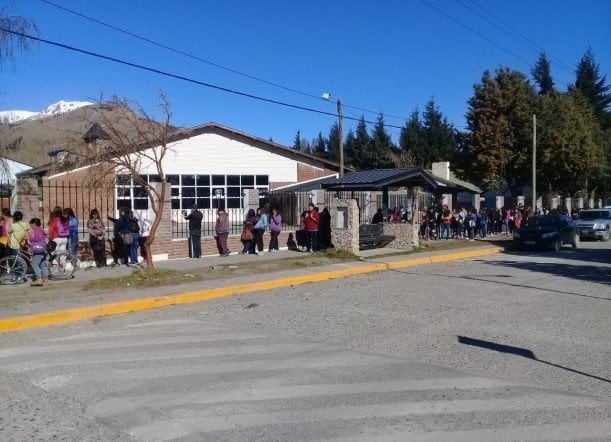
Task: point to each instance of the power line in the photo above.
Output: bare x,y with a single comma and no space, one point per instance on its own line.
511,28
203,60
183,78
479,34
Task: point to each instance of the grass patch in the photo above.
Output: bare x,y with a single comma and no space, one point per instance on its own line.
147,277
339,254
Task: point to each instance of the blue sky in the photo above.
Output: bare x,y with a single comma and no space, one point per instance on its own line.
386,56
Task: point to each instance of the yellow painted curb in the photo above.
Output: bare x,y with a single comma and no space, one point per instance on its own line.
133,305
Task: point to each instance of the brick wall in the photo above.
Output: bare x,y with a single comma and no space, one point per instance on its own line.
305,172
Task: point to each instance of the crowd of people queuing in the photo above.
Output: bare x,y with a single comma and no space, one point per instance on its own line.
444,223
130,233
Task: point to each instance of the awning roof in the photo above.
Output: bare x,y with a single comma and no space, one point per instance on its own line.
379,179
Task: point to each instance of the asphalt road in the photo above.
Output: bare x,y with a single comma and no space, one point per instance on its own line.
340,360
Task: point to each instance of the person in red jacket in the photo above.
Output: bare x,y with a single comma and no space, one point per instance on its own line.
312,220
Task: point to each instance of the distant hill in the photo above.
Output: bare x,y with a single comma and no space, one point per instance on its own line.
29,136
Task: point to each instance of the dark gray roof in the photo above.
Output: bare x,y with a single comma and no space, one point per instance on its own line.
95,132
377,179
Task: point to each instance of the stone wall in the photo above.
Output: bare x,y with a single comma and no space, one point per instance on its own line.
345,225
406,235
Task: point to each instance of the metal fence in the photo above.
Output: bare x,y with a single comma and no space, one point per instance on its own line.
81,199
180,225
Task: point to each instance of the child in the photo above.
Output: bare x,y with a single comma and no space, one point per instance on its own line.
38,250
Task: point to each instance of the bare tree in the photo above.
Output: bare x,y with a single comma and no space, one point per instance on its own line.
12,39
136,145
403,158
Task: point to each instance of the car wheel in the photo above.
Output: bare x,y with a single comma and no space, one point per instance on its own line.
606,236
557,245
575,242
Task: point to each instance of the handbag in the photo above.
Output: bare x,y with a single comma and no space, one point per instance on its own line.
127,238
246,235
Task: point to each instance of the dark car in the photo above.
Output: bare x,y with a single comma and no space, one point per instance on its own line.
546,232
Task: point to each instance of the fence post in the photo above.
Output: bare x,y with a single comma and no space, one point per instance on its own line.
25,198
251,200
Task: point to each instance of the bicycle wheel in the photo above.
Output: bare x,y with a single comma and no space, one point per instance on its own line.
13,270
61,266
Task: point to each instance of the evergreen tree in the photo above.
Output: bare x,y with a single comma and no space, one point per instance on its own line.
542,75
591,84
378,153
319,146
297,143
440,136
412,140
571,154
350,149
333,143
499,119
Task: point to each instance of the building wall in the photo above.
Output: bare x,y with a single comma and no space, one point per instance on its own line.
214,154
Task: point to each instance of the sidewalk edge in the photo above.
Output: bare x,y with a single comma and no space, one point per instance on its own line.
140,304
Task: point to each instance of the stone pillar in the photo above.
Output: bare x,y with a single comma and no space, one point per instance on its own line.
251,200
25,199
345,225
568,204
579,203
317,197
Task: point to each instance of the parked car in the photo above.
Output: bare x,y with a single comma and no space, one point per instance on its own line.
546,232
595,223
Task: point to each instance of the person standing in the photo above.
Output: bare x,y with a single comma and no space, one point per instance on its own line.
73,224
195,232
483,222
470,221
222,231
275,227
312,220
247,237
59,230
122,238
446,222
5,223
18,232
133,227
259,230
38,250
145,232
97,233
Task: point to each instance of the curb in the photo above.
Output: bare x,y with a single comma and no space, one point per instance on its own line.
135,305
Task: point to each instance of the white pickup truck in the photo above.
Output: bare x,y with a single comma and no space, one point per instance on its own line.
594,223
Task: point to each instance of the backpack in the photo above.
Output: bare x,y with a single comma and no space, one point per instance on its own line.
63,229
133,226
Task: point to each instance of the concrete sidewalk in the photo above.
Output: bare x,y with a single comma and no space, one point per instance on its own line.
59,308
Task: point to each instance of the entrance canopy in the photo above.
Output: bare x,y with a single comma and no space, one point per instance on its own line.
384,179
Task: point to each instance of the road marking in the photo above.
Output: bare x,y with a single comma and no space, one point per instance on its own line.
134,305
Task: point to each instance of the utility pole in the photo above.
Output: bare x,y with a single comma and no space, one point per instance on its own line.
340,114
534,165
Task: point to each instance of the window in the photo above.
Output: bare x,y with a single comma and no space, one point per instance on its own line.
205,191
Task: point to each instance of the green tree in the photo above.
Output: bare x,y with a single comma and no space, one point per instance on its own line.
412,140
297,142
542,75
428,139
440,136
378,152
319,146
592,84
333,143
570,146
499,119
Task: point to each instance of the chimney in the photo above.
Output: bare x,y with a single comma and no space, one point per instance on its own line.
441,169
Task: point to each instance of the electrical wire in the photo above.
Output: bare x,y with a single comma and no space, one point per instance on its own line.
183,78
479,34
512,29
211,63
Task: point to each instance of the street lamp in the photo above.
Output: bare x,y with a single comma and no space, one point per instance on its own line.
340,115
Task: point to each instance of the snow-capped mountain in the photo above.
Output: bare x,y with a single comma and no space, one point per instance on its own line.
61,107
9,117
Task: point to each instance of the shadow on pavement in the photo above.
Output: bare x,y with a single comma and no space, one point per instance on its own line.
584,272
524,352
602,256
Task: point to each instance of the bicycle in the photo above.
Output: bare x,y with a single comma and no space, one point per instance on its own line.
16,269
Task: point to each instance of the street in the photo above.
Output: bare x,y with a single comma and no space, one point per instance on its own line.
509,346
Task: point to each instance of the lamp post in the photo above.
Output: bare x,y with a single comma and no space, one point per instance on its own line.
340,115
